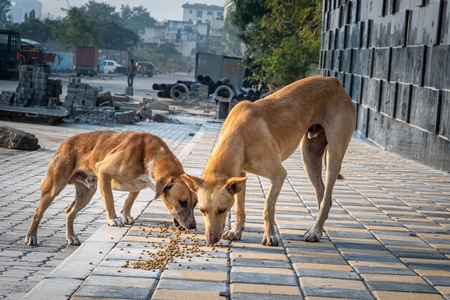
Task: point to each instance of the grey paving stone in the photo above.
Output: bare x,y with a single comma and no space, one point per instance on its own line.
260,278
58,288
188,285
400,287
262,297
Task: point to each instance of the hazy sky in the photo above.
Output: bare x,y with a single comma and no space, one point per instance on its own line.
159,9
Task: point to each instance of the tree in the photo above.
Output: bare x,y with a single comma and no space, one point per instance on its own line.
109,35
34,29
81,29
5,17
101,11
136,18
282,37
77,29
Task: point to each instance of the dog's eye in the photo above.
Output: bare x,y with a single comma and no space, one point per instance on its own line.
202,210
221,210
183,203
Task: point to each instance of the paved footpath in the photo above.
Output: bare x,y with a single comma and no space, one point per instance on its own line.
387,237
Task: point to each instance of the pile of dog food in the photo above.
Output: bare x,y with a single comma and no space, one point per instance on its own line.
175,246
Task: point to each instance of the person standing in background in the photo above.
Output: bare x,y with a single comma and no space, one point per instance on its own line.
131,72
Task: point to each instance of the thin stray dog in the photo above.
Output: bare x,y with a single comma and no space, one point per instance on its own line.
121,161
316,113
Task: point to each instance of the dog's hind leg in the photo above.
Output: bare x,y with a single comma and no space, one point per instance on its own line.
126,210
312,150
83,196
235,233
334,156
53,183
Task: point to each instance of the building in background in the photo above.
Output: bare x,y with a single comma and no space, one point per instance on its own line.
200,30
201,13
21,7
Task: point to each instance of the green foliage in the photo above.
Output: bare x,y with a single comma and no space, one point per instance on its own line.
5,18
77,29
100,11
109,35
136,18
34,29
282,37
95,24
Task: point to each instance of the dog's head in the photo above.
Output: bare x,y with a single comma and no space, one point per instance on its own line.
215,201
179,199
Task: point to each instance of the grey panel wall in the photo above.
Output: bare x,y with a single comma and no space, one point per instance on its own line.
393,58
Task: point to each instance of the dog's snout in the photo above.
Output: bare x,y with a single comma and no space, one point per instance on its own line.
213,239
191,225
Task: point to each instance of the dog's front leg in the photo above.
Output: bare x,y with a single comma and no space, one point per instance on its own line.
235,233
276,184
126,210
104,181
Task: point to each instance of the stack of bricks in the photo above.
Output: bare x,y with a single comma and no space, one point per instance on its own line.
7,97
35,87
79,93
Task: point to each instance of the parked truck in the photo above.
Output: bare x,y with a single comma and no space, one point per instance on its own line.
9,53
86,61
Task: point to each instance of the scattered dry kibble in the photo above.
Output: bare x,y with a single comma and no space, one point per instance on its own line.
171,248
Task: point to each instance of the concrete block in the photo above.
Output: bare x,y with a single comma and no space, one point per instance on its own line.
444,127
126,117
371,93
403,102
424,108
388,98
119,98
437,73
381,63
362,124
129,91
356,88
158,105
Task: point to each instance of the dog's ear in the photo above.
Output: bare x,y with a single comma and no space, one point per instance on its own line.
192,182
162,185
235,184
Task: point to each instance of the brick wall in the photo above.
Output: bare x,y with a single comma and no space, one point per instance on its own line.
393,57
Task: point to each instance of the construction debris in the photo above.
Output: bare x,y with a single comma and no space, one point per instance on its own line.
12,138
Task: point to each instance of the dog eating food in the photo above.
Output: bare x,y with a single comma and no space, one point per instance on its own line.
315,113
121,161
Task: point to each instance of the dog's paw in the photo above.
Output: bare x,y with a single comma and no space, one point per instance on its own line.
31,240
312,235
232,235
269,240
128,220
115,222
72,240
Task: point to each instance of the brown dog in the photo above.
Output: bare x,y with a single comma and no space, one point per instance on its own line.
121,161
316,113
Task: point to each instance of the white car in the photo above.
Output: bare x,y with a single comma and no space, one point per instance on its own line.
109,66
